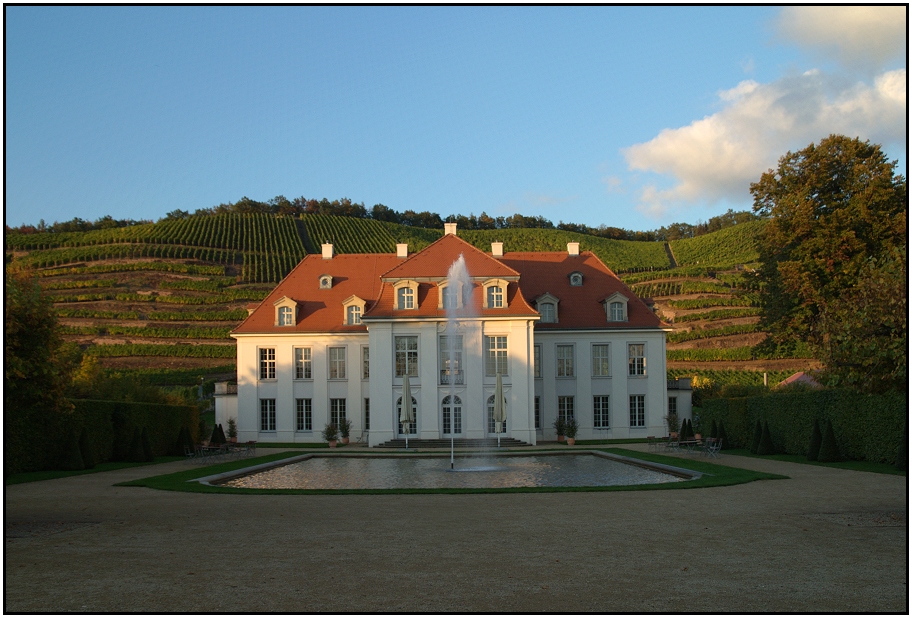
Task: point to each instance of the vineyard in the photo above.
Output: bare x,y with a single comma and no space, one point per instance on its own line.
119,291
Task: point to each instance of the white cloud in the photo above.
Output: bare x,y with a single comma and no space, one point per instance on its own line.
716,158
858,36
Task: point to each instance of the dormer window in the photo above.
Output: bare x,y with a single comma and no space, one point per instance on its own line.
495,294
547,307
576,279
616,307
406,295
353,309
326,282
286,312
450,298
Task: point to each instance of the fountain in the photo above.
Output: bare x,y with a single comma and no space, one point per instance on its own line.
457,302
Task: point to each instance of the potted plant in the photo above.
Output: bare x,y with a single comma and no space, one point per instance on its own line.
672,421
232,430
697,427
331,435
570,429
559,428
345,427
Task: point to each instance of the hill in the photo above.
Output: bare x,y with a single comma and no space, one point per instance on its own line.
165,295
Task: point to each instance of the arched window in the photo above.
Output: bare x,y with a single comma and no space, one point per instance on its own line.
286,316
354,315
495,297
413,426
406,298
492,426
451,297
452,416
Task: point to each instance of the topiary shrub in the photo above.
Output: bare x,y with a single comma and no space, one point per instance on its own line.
148,455
136,453
758,434
72,457
902,455
766,441
184,441
714,430
829,450
723,437
89,458
816,438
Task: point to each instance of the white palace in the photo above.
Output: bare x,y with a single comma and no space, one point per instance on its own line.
336,337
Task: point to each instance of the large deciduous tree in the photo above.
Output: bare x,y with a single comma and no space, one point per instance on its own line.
836,217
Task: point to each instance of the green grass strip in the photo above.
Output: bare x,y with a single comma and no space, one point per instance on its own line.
858,466
46,475
714,475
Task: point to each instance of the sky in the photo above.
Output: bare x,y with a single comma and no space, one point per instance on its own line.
631,117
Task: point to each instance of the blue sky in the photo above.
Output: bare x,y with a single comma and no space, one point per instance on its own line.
632,117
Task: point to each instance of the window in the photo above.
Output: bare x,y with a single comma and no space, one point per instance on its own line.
367,414
495,297
492,425
452,415
496,356
617,312
636,359
304,413
406,356
326,282
565,407
365,363
450,299
547,312
336,363
303,364
267,364
336,411
565,361
672,406
600,415
353,315
267,415
576,279
406,297
286,316
638,410
601,363
537,412
413,426
537,360
451,359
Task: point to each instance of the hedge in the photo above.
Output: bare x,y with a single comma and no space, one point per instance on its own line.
867,427
35,440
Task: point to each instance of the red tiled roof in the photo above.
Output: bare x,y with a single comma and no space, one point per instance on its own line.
321,310
435,261
370,276
580,306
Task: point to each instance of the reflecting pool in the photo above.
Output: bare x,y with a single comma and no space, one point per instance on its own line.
434,472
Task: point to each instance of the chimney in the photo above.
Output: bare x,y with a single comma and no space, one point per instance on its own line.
402,250
497,249
327,251
572,248
449,228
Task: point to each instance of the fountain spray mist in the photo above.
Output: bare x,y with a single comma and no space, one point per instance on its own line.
458,304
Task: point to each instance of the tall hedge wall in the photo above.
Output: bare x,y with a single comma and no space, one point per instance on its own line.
36,441
867,427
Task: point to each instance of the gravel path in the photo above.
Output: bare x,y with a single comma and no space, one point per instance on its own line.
826,540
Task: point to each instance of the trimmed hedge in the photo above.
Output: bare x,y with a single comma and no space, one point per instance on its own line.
35,440
866,427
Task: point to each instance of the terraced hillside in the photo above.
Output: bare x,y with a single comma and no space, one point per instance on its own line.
166,295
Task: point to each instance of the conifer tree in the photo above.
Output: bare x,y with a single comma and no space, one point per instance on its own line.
816,437
829,450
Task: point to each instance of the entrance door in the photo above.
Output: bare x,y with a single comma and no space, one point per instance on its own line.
452,416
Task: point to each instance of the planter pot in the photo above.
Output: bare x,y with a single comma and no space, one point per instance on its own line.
232,440
571,441
698,436
560,438
344,440
332,444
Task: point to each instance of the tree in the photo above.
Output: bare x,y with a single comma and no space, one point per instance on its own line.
830,208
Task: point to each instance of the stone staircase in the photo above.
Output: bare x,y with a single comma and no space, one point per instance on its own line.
415,443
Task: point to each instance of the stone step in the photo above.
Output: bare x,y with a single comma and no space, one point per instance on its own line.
457,443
